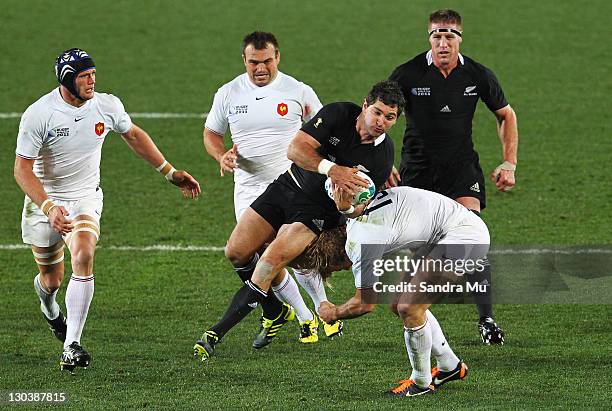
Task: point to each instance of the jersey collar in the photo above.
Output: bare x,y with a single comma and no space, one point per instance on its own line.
68,107
254,86
380,139
430,58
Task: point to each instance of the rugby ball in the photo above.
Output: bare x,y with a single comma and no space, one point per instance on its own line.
362,196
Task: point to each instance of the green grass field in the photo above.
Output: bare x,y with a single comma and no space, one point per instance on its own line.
151,306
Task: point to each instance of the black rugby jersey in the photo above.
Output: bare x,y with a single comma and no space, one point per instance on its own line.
439,111
334,128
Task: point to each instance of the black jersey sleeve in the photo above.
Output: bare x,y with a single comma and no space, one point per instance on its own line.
322,126
493,95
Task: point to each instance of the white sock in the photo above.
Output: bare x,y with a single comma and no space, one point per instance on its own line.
313,284
78,297
418,345
48,305
288,292
445,357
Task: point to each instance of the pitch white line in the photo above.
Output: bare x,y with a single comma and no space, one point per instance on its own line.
207,248
133,115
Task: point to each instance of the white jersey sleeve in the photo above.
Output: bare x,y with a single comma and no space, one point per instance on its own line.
113,108
312,104
365,244
32,131
217,117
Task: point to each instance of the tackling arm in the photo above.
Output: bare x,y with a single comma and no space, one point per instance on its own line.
352,308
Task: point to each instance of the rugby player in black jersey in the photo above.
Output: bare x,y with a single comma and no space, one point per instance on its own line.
340,140
442,88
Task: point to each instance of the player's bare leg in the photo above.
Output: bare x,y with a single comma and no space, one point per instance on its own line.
79,293
290,242
50,262
249,235
247,238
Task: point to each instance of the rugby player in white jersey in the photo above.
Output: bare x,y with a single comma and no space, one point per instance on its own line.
264,108
57,165
427,224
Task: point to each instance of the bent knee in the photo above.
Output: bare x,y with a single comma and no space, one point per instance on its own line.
83,257
408,312
238,256
51,283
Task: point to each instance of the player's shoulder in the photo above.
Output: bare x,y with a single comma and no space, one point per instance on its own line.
108,102
342,109
43,107
415,66
236,85
289,82
475,67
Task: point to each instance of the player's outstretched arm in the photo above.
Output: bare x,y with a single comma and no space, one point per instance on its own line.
507,129
140,142
353,308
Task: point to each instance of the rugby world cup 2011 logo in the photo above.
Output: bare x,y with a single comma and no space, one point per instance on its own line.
282,109
99,128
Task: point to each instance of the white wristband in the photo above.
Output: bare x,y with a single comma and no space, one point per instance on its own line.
170,173
47,206
324,166
508,166
166,169
161,166
350,210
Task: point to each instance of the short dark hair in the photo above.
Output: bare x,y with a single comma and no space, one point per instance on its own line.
446,16
259,40
389,92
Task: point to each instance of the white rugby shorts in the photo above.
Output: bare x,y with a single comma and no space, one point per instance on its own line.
244,195
35,227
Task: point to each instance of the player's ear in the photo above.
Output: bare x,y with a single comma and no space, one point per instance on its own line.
365,104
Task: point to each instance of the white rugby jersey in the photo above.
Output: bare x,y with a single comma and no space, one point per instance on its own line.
262,121
66,141
408,218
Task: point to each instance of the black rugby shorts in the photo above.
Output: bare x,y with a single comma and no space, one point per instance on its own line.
283,202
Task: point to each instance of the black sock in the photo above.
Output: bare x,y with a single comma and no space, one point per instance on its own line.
270,304
237,310
246,272
242,304
483,300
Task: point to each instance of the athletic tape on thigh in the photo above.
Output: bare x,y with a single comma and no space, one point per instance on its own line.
87,226
50,258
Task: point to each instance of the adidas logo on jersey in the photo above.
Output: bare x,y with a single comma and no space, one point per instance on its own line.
445,109
475,188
